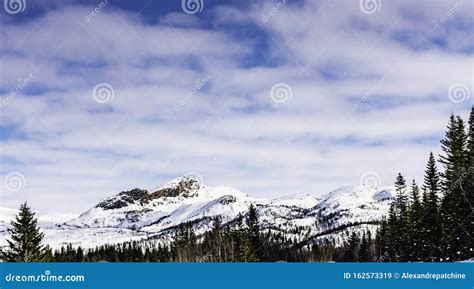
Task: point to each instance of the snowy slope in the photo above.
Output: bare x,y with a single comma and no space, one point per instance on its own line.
140,214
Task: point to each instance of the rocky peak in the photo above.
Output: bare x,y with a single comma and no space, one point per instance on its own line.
184,186
123,199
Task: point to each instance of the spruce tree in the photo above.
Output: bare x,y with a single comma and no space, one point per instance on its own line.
470,160
431,219
454,207
415,223
392,240
402,229
351,249
468,223
254,244
238,237
217,239
380,242
25,243
364,251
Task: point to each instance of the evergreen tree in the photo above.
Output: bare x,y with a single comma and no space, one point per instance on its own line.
217,236
454,154
238,240
403,218
400,189
470,161
431,219
364,251
415,223
381,250
351,252
25,244
454,207
468,202
392,239
254,244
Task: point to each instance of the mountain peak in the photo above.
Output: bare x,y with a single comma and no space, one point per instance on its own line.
123,199
186,186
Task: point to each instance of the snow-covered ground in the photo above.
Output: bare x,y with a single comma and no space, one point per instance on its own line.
139,214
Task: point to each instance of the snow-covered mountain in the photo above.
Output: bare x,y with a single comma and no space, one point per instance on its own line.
154,215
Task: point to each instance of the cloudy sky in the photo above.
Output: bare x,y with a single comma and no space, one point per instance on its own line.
272,97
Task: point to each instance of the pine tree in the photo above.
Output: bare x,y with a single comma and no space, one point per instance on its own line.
392,240
254,244
415,223
25,244
454,207
381,250
470,161
400,189
351,252
431,219
402,228
238,240
218,239
454,156
364,251
468,202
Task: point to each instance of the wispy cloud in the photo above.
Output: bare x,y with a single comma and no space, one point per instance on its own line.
193,93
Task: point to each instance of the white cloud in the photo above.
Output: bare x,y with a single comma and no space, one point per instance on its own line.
163,123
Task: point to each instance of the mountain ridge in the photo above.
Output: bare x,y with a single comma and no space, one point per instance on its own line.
154,215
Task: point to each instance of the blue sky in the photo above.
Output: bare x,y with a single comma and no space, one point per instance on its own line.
272,97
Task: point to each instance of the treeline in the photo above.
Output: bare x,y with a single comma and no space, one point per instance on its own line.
241,241
435,223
